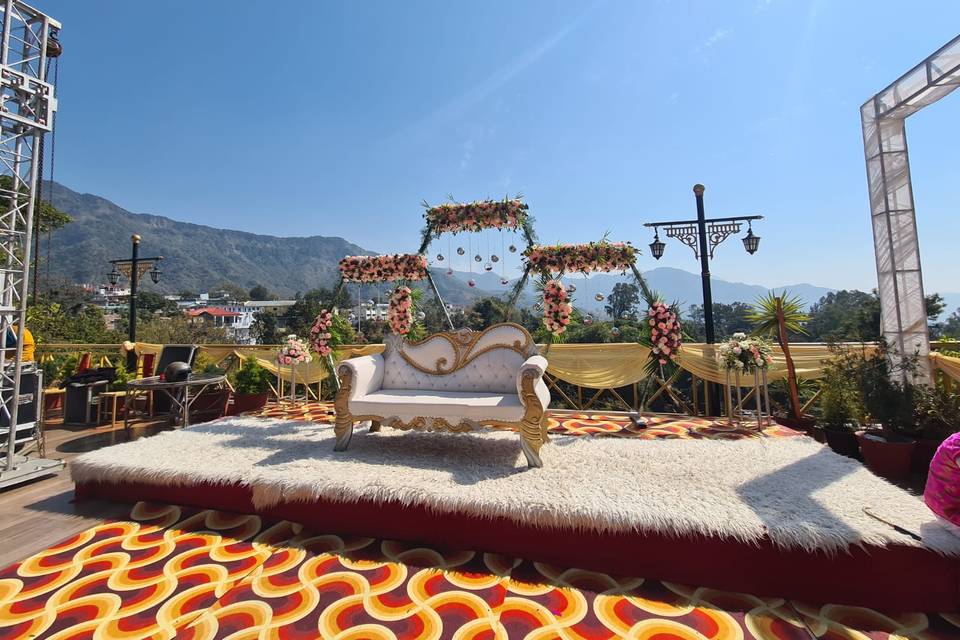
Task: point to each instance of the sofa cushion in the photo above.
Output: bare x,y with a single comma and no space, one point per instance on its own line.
452,405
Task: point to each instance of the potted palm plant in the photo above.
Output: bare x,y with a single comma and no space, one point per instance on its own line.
779,316
251,385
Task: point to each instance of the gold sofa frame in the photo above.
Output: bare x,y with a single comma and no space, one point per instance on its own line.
532,426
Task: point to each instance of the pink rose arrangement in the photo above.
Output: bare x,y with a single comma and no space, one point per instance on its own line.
665,332
556,307
294,351
746,354
594,256
320,333
387,268
477,216
400,311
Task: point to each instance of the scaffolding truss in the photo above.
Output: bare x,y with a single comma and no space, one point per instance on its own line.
899,276
27,105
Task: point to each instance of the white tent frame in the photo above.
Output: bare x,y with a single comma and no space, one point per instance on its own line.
903,317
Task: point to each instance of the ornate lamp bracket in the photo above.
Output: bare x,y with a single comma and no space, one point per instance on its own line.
687,234
718,232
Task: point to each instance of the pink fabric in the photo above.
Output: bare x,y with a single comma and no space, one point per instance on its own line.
942,494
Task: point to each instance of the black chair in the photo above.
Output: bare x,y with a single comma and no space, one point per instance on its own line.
171,353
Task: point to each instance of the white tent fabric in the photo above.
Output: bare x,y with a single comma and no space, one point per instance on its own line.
899,275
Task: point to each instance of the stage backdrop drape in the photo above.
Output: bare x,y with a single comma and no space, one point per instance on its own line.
597,366
594,366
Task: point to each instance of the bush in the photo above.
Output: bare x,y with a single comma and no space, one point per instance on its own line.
120,381
251,378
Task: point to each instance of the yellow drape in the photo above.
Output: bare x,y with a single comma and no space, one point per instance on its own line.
310,373
948,364
702,360
597,366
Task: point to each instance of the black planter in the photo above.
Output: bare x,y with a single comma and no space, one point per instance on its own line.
843,440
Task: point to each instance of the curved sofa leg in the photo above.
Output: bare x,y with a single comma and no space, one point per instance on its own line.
343,423
374,426
343,430
530,442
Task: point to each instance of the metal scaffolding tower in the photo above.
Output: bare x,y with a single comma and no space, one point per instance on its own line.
903,314
27,105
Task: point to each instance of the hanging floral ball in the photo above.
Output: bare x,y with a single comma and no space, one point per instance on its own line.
439,257
598,297
614,332
472,283
513,248
504,281
477,258
461,251
488,267
421,315
494,258
588,319
571,287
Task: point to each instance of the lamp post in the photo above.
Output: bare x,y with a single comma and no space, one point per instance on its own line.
134,268
703,235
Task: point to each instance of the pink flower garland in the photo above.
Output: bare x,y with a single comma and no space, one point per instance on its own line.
400,311
320,333
665,332
594,256
477,216
556,307
294,351
387,268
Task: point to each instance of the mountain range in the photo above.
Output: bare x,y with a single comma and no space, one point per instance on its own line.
199,258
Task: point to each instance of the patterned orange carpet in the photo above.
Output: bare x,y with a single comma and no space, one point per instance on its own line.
659,426
169,572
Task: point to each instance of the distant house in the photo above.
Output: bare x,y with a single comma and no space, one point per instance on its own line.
217,317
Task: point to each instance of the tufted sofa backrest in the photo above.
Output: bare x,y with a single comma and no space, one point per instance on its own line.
486,361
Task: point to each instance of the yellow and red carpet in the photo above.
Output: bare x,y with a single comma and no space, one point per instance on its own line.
659,426
169,572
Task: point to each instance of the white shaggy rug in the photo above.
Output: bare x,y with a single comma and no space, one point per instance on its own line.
794,491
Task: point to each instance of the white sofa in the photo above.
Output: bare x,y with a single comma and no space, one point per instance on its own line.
454,381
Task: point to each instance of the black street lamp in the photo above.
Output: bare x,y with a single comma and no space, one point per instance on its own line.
696,234
134,268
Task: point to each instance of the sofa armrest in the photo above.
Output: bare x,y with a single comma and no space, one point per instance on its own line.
534,367
365,373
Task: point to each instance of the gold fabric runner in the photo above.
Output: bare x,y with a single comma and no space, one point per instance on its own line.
594,366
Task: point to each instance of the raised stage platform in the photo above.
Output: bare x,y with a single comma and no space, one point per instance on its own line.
769,516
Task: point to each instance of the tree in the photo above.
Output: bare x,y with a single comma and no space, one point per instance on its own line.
855,316
622,300
150,302
82,323
486,312
46,216
180,330
186,294
260,292
727,320
264,328
951,326
232,291
779,316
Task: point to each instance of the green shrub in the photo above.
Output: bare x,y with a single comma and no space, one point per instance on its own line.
251,378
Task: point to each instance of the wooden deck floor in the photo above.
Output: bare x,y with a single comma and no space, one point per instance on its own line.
41,513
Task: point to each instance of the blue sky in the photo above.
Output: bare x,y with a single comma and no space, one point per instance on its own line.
322,118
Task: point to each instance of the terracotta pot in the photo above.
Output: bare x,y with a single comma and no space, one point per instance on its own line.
817,433
923,454
890,458
244,402
843,441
